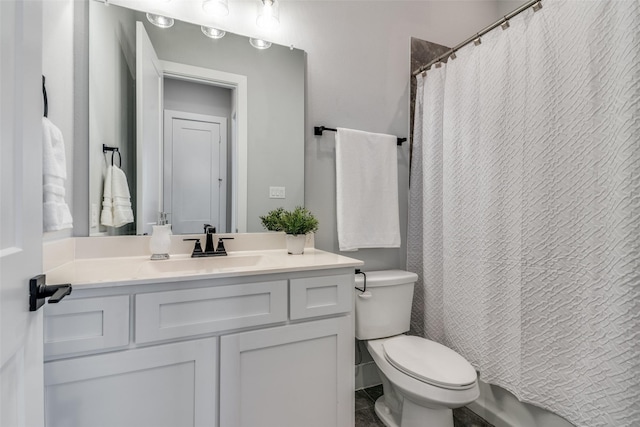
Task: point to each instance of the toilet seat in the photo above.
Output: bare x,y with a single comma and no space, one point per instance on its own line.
429,362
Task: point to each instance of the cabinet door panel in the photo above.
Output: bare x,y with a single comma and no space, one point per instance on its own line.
168,385
291,376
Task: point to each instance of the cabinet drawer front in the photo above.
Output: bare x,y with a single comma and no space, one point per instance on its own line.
83,325
321,296
173,314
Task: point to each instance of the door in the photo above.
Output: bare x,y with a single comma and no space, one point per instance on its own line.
21,378
195,171
148,133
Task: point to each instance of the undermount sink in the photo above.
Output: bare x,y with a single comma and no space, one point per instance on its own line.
198,265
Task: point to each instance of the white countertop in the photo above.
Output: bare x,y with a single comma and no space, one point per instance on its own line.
122,271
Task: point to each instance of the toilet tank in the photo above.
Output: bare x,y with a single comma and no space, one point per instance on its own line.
385,309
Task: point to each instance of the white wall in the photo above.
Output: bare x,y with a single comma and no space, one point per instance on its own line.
57,67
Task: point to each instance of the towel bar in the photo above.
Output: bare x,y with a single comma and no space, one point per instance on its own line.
317,130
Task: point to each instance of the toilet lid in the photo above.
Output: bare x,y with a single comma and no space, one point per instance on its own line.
429,362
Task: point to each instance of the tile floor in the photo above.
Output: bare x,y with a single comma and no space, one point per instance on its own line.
366,415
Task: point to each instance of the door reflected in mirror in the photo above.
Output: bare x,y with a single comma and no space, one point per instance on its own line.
204,130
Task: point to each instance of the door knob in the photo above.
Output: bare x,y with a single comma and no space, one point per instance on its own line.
38,291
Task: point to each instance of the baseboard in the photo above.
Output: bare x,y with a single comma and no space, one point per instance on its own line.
502,409
367,375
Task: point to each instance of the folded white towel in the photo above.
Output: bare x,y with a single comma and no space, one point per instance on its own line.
116,202
122,212
367,190
56,214
106,216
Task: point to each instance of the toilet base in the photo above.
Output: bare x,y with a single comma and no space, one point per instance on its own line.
384,413
414,415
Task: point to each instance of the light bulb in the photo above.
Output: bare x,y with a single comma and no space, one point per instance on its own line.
216,7
213,33
160,21
268,15
260,44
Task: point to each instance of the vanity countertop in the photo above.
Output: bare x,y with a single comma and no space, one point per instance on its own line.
132,270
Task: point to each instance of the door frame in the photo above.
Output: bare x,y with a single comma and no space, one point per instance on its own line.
169,115
238,129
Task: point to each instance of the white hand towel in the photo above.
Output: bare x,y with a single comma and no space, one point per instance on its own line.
56,214
106,216
367,190
116,203
122,212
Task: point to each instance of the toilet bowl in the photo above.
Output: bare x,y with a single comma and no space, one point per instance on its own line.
422,380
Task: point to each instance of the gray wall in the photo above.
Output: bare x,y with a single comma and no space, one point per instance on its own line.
358,74
112,118
182,95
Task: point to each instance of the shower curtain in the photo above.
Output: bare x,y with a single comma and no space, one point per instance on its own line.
525,208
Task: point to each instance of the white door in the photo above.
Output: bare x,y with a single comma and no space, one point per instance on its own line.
21,378
148,132
195,171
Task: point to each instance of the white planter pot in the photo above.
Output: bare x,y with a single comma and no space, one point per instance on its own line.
295,243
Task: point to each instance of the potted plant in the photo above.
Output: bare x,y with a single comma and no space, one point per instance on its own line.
296,224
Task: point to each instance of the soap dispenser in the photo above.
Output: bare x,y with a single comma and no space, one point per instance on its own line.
160,238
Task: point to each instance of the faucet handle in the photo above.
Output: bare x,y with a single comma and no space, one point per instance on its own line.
221,247
197,249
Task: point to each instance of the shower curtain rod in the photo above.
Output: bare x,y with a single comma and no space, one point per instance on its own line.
536,4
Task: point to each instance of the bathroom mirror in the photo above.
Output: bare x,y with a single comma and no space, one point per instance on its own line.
249,101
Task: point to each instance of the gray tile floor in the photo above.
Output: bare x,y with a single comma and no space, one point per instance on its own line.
366,415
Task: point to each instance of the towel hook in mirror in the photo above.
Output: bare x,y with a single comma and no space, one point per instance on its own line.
113,150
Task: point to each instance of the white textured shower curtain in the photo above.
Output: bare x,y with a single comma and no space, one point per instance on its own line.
530,208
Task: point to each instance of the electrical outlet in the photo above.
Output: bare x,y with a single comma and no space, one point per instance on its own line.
276,192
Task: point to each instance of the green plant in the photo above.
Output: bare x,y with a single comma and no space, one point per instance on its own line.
297,221
271,221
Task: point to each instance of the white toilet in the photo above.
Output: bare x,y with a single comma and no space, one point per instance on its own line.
422,380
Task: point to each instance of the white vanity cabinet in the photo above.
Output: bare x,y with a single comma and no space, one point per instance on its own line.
262,350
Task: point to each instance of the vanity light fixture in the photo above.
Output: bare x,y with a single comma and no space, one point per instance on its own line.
160,21
260,44
211,32
216,7
268,15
